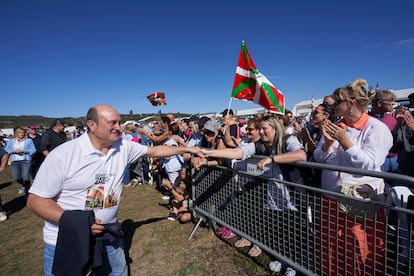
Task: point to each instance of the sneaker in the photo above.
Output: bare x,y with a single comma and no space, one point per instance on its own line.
275,266
228,234
133,182
242,243
22,190
165,197
3,216
172,216
290,272
221,229
255,251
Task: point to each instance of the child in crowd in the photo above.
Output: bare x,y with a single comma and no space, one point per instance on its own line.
180,201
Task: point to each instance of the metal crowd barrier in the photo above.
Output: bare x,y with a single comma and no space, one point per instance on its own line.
292,232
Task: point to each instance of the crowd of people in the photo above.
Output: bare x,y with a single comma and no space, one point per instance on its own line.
340,131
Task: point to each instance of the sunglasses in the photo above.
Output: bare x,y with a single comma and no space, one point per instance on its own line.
250,128
209,133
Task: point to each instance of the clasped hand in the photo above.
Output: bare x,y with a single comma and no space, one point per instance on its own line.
332,132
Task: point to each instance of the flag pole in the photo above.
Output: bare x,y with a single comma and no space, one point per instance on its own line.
228,108
228,111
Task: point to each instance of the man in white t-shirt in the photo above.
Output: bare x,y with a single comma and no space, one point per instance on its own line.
86,174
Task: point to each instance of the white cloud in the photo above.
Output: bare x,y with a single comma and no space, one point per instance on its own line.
406,44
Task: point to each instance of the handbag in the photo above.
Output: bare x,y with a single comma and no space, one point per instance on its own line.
357,208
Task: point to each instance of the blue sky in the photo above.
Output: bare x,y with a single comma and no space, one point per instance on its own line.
58,58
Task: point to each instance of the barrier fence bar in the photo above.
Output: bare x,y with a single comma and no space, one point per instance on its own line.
298,224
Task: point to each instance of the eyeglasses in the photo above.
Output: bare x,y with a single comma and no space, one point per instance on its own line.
250,128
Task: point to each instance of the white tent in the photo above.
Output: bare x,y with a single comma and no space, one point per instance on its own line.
6,132
304,107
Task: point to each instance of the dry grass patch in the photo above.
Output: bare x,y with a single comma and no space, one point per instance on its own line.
156,246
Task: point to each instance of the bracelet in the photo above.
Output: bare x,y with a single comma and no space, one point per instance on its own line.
273,159
206,163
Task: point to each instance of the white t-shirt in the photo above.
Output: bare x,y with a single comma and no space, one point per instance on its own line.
175,162
19,145
79,177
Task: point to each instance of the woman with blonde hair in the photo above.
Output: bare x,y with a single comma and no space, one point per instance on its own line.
21,149
280,150
350,245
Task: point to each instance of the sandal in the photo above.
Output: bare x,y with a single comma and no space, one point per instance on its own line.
255,251
242,243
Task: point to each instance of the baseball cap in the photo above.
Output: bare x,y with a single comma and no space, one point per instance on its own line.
202,121
58,122
211,126
224,113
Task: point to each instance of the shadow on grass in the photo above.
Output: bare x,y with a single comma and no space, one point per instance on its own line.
15,205
129,227
5,185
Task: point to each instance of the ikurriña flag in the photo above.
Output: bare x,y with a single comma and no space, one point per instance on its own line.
251,85
157,98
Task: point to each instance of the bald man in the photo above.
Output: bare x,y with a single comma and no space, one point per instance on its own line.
86,174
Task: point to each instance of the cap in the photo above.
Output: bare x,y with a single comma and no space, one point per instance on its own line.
32,127
224,113
193,118
202,121
58,122
211,126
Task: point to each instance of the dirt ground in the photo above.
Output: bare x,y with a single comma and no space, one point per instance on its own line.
155,245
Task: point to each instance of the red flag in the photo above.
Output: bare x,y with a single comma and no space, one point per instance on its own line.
251,85
157,98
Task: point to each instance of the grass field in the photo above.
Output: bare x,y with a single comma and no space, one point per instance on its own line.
155,245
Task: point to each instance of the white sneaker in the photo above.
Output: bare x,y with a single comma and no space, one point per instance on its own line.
133,182
165,197
3,216
22,190
275,266
290,272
